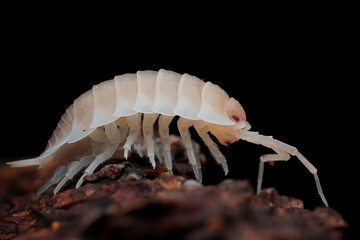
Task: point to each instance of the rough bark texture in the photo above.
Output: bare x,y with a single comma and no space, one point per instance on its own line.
128,200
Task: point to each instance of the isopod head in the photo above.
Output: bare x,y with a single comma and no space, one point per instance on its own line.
227,134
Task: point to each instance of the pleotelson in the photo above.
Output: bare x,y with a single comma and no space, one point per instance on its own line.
164,92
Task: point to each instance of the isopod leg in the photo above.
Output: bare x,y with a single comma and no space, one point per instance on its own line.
202,130
138,147
113,134
158,152
123,128
164,122
282,150
148,131
280,156
73,168
58,175
134,123
98,135
65,173
183,126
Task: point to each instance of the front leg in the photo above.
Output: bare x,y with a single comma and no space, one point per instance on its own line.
183,125
201,128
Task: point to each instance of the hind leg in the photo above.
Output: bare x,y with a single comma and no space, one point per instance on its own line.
113,134
73,168
58,175
65,173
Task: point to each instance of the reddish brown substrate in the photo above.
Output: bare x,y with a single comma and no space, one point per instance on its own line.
126,200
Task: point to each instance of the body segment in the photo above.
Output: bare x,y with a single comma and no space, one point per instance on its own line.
104,95
189,97
126,91
166,92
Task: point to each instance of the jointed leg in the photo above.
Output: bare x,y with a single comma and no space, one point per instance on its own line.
183,126
73,168
148,131
202,130
58,174
134,123
283,150
164,122
98,135
65,173
122,123
138,147
124,129
158,152
114,137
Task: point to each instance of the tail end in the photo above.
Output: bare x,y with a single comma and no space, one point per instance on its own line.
26,162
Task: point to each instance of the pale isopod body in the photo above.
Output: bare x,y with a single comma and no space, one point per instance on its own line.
118,113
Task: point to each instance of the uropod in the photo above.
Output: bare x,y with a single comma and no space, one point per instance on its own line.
120,114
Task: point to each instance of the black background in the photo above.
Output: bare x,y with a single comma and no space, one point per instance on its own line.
292,70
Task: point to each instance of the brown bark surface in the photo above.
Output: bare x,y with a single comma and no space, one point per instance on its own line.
128,200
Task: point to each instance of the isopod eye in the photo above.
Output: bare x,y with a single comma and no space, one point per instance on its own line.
235,117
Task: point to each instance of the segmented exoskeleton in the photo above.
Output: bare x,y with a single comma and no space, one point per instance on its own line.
118,113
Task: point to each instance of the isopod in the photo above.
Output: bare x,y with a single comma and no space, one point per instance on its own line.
121,113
